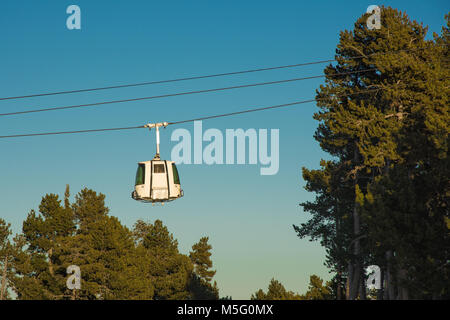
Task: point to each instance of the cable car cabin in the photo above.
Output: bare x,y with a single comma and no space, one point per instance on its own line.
157,181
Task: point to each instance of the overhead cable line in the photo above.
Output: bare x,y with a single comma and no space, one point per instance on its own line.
288,104
181,93
196,77
69,132
244,111
191,120
165,81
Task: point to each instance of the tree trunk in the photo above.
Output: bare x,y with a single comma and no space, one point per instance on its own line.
339,288
390,290
339,267
362,288
349,277
50,265
380,292
3,288
354,282
402,291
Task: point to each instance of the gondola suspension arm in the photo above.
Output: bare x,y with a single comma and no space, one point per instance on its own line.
156,126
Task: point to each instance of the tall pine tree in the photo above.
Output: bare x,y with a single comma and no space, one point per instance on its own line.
386,124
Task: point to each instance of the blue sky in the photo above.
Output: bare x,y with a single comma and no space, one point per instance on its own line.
247,217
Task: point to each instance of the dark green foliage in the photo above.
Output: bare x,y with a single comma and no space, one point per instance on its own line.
201,289
201,258
200,282
115,262
317,290
275,291
384,198
6,255
168,269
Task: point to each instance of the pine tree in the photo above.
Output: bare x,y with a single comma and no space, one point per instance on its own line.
200,282
36,266
6,252
200,257
330,223
387,126
317,290
115,263
168,269
80,234
275,291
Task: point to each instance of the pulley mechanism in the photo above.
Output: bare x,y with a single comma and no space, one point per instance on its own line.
156,126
